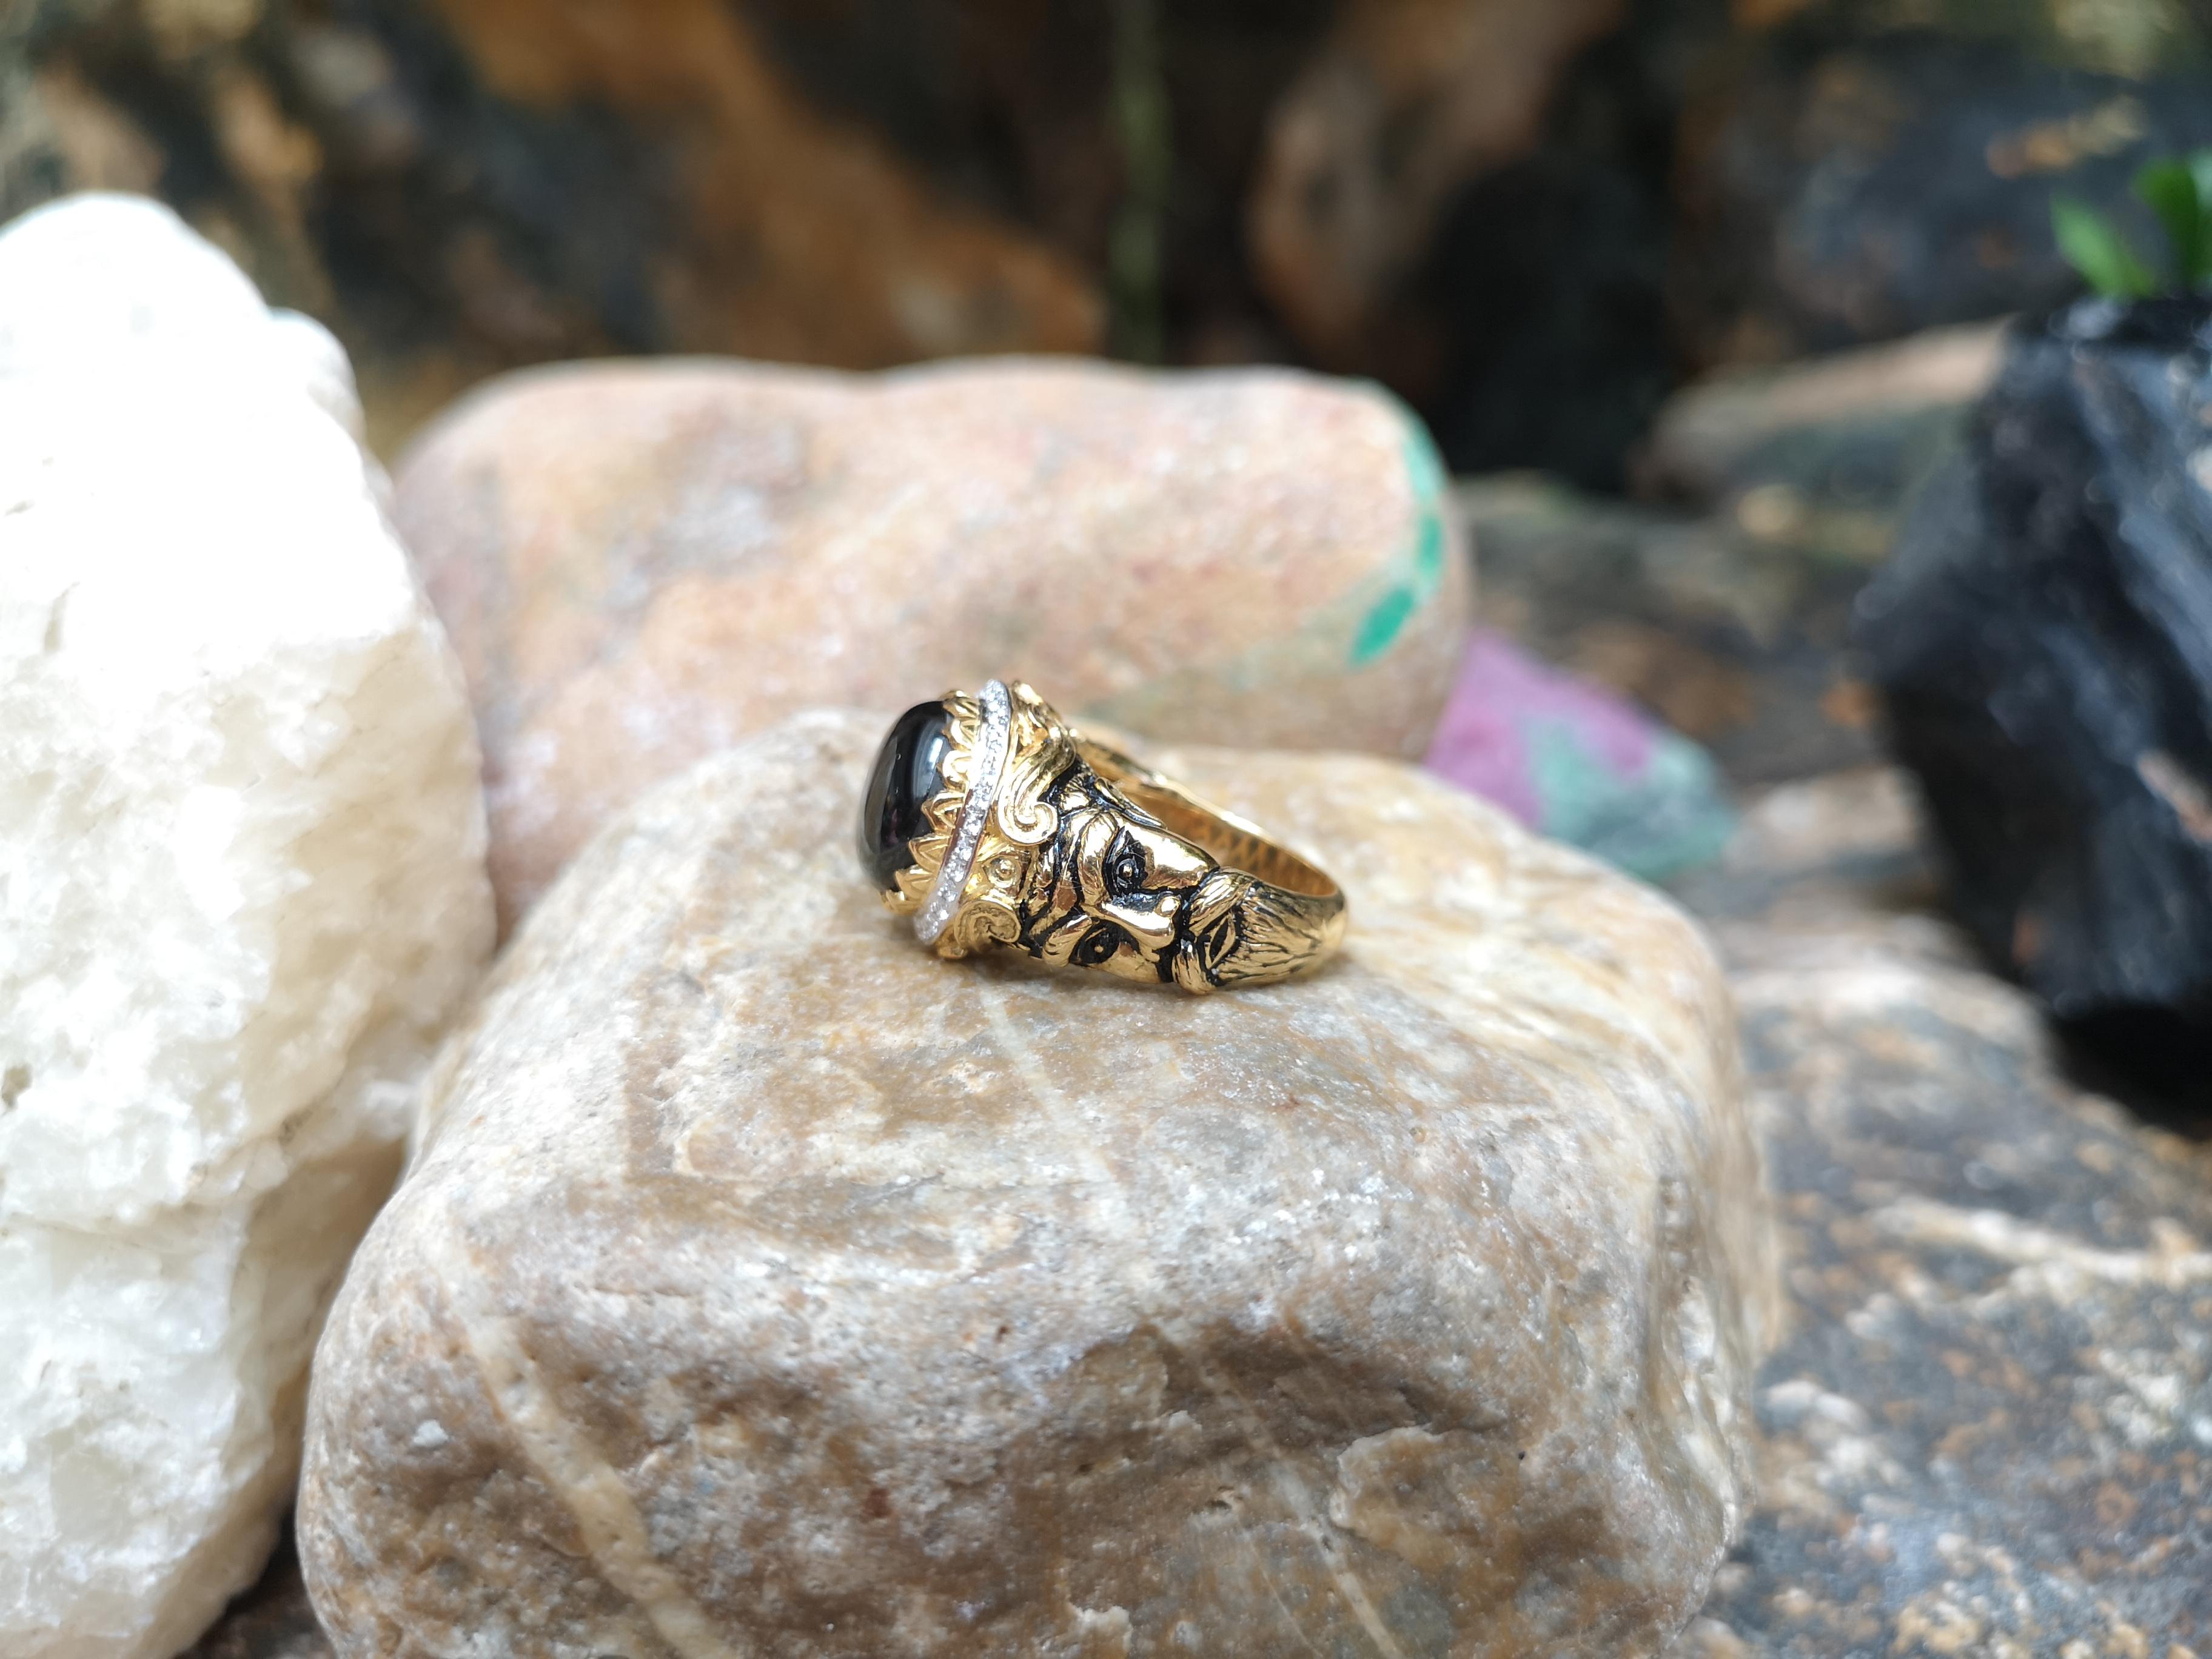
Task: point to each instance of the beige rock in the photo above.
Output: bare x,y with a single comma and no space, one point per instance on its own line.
766,1285
641,564
1709,435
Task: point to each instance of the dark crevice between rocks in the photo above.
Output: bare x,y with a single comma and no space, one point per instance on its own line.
2151,1060
271,1618
1551,273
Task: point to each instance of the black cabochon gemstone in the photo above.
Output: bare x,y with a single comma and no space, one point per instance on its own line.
908,770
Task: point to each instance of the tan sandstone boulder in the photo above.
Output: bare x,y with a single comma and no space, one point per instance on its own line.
766,1285
642,563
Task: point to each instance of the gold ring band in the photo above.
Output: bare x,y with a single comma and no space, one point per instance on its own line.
990,821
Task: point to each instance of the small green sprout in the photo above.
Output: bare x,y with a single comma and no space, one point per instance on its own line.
2179,191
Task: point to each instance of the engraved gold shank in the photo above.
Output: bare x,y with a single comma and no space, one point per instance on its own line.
1081,857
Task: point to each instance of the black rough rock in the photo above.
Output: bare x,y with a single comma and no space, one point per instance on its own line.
2043,642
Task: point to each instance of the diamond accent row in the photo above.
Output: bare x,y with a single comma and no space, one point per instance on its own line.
990,762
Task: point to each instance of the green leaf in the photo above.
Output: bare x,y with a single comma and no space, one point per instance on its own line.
2099,251
2169,190
2199,163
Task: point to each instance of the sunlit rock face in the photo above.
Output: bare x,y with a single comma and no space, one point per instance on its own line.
241,888
768,1284
642,563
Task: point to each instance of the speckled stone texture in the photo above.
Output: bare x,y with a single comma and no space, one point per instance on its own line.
1988,1432
1982,1434
766,1285
641,564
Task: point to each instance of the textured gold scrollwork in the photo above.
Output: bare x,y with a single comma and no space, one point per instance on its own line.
1042,750
1090,861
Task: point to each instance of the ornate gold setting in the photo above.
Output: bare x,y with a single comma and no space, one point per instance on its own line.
1087,859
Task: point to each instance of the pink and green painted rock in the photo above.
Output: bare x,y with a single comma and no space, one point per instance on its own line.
642,562
1579,762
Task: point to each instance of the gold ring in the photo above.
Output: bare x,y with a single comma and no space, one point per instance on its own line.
990,821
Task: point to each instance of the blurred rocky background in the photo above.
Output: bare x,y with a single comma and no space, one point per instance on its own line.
1533,219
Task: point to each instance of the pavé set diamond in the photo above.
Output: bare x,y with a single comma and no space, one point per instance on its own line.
988,766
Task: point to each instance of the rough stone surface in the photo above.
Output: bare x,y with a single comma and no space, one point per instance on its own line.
1988,1431
767,1285
1825,452
1735,633
241,886
1982,1435
2044,647
639,564
1724,605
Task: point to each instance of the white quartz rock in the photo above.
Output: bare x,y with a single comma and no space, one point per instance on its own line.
242,891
